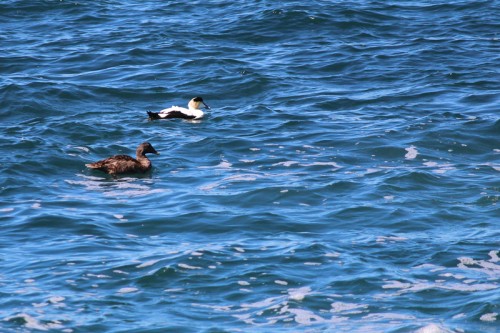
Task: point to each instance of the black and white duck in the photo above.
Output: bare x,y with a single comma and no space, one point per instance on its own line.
193,111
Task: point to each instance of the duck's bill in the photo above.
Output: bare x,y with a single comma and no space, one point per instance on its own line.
208,107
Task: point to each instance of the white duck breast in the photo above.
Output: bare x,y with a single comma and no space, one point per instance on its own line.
192,112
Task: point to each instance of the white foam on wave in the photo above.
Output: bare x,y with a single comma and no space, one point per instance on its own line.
348,308
439,284
261,304
485,266
460,315
371,170
286,163
456,276
246,318
186,266
298,294
173,290
239,249
224,165
257,313
85,149
412,153
433,328
383,239
234,178
460,281
444,168
490,317
291,163
127,290
431,164
117,271
439,168
494,166
56,299
147,263
33,323
388,316
312,263
397,285
99,276
332,164
494,256
306,317
120,217
241,177
213,307
469,288
40,305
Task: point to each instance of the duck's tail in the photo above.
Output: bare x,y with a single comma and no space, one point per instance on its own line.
153,115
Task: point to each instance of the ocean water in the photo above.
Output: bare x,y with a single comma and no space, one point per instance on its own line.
346,178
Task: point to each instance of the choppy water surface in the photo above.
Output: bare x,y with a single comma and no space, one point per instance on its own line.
345,180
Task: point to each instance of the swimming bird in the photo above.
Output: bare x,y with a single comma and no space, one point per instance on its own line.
192,112
119,164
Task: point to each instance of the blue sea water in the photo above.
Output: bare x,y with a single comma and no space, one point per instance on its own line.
346,178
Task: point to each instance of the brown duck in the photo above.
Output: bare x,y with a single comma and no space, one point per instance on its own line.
119,164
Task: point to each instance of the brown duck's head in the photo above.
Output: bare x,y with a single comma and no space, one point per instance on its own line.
145,148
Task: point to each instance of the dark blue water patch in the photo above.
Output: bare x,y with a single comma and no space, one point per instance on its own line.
481,99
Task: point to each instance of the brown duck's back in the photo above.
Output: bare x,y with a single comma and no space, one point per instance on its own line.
121,164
